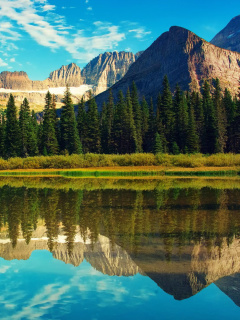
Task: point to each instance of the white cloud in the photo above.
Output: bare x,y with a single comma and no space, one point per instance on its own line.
4,269
12,60
2,64
48,7
89,8
140,32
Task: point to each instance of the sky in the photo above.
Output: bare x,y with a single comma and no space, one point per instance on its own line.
39,36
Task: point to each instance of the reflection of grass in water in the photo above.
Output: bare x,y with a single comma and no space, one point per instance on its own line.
120,172
115,183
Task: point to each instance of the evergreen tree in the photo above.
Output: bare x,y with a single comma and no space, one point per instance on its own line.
210,129
119,125
131,142
230,107
145,122
192,139
82,123
107,124
68,126
181,119
196,105
93,142
220,118
150,136
157,144
137,117
50,142
2,135
28,136
12,143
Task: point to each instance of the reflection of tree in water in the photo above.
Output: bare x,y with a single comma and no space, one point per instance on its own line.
131,218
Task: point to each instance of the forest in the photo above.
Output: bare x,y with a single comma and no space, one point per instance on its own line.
179,123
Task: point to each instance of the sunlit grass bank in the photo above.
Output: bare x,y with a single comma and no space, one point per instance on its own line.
129,160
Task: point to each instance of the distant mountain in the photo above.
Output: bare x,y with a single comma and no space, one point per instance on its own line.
106,69
186,59
229,37
99,75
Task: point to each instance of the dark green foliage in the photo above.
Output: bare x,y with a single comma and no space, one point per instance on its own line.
220,118
12,143
145,122
28,131
192,139
107,118
166,113
210,128
2,135
82,123
157,144
181,119
137,116
150,136
49,142
93,137
70,141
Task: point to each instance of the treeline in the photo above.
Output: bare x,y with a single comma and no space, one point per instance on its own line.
206,122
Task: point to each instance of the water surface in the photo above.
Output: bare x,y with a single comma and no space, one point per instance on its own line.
113,249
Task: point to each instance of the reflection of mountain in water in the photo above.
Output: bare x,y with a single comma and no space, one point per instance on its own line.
183,239
103,256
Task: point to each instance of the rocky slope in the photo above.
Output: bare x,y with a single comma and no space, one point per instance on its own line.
186,59
70,74
229,37
106,69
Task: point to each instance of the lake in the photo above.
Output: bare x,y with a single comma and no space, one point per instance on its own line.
75,248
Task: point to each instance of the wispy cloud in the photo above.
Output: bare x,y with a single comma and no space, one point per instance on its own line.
2,64
39,20
140,32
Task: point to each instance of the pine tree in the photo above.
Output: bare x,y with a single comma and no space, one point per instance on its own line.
157,144
82,123
50,142
230,107
12,143
137,117
119,125
220,118
196,104
68,126
107,124
150,136
145,122
192,139
167,114
93,142
2,135
28,137
210,128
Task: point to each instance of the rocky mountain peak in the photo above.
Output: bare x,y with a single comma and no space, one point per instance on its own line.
186,59
229,37
69,74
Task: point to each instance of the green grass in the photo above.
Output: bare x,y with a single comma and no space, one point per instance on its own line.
127,160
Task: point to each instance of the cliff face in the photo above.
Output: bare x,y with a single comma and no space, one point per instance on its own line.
70,74
106,69
186,59
229,37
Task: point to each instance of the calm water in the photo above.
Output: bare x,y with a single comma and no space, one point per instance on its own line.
114,249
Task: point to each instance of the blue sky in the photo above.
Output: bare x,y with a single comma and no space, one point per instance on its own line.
39,36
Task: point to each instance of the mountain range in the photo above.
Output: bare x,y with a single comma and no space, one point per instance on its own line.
184,57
